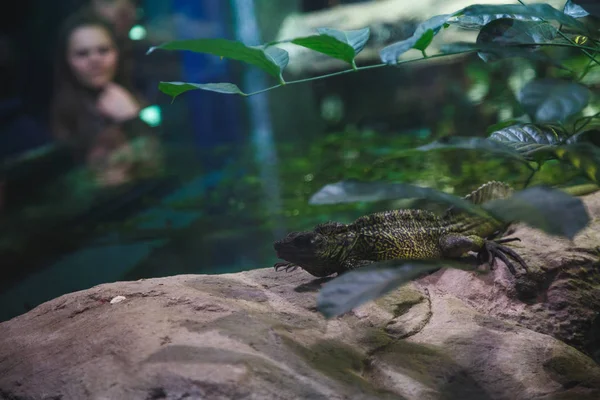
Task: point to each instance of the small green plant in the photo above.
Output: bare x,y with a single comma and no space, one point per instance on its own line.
558,121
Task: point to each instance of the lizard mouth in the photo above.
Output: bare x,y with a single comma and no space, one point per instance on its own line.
277,246
295,247
287,251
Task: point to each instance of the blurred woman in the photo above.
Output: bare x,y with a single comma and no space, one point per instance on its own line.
141,73
94,110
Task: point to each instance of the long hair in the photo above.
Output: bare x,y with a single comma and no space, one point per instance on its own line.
74,116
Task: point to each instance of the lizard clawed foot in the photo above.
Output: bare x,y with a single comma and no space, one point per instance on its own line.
493,249
286,266
507,240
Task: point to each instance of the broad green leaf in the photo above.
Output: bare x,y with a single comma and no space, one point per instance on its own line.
391,53
278,58
343,45
582,8
533,142
473,143
506,31
501,125
355,38
575,10
553,100
585,157
355,191
357,287
590,136
550,210
425,40
272,60
174,89
475,22
537,10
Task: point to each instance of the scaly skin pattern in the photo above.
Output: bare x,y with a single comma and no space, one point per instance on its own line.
334,247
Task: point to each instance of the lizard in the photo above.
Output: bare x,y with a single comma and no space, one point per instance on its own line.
334,248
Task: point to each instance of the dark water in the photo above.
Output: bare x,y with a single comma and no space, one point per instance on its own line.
68,235
163,242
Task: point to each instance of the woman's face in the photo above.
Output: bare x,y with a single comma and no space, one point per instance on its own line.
92,56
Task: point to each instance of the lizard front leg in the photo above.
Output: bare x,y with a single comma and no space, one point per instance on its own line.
286,266
454,246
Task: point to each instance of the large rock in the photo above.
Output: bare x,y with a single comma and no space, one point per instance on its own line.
257,335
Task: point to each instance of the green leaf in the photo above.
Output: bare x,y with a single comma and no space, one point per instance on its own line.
551,210
583,156
473,143
590,136
533,142
272,60
354,191
356,287
532,11
174,89
575,10
477,22
552,100
278,57
501,125
391,53
582,8
343,45
506,32
425,40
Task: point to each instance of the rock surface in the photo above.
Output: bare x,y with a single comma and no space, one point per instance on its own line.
256,335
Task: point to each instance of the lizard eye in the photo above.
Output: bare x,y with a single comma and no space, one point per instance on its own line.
305,240
316,240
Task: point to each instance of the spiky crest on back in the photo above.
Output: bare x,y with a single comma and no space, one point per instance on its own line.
492,190
394,218
331,228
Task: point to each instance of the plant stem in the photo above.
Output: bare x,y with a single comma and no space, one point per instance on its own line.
533,171
346,71
582,48
587,69
427,57
573,44
587,120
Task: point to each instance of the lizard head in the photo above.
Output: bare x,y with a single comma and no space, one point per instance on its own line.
300,247
313,251
318,252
